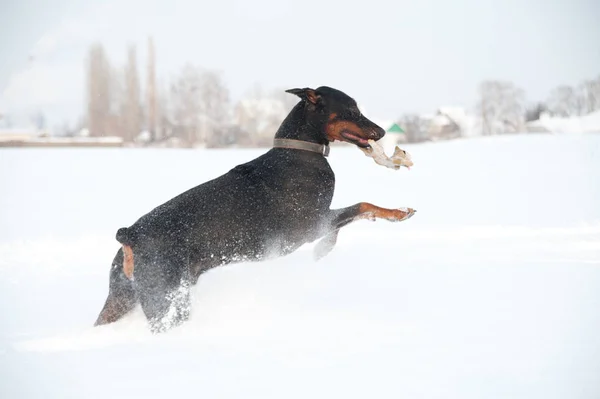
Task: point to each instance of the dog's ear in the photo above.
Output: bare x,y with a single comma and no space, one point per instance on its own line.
306,94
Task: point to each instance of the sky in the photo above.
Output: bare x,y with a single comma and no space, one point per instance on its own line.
393,57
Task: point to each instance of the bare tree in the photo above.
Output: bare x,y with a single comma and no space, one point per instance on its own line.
164,115
98,90
200,106
501,107
565,101
117,101
414,128
590,93
214,109
151,90
261,112
185,103
132,112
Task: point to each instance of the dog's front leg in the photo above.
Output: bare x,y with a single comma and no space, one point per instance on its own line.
341,217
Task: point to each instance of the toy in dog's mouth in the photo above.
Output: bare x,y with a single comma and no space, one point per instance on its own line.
356,140
396,161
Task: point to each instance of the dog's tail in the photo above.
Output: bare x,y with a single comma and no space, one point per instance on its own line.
124,236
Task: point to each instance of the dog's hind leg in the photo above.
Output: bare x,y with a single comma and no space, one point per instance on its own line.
162,280
339,218
325,246
121,293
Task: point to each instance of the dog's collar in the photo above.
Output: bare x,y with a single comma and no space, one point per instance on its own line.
322,149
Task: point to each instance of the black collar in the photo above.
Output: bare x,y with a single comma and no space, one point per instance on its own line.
322,149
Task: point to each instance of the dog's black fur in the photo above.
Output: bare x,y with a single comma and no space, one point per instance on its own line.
269,206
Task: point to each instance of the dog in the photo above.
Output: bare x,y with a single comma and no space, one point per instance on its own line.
265,208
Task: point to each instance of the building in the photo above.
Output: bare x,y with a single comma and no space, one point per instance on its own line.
394,134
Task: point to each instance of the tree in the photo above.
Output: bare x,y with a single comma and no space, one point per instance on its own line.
590,93
200,106
185,103
534,112
565,101
98,90
164,124
413,126
151,91
261,112
501,107
214,109
117,103
132,112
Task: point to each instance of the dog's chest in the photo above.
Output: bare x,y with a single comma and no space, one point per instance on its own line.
306,190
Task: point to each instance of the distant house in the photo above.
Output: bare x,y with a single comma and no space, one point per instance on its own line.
394,134
449,123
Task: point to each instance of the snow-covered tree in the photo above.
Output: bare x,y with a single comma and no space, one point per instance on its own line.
501,107
214,108
185,103
199,105
261,112
414,127
565,101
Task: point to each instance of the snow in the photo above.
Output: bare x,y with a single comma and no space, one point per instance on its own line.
491,290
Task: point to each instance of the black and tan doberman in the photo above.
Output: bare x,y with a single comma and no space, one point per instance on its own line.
267,207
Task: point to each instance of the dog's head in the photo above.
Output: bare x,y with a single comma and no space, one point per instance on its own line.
339,116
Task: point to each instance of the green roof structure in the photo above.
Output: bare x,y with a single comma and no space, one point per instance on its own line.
395,129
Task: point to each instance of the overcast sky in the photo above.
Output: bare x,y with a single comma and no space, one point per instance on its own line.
391,56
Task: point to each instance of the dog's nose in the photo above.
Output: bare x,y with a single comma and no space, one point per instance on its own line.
377,133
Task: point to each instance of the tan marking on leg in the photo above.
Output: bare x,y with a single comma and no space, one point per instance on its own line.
128,261
370,211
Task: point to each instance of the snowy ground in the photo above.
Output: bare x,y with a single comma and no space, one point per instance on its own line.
491,291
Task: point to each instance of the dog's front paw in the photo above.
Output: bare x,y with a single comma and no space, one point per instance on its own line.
401,214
